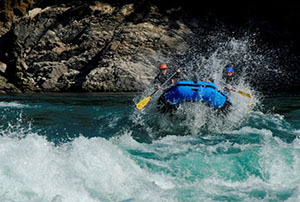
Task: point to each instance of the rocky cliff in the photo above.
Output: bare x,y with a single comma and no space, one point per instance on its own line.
57,46
87,47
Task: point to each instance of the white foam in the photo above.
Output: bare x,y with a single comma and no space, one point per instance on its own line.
32,169
12,105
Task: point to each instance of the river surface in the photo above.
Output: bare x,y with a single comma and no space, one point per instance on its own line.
99,147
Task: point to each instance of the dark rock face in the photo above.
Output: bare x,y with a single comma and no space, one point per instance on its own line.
10,10
69,45
88,48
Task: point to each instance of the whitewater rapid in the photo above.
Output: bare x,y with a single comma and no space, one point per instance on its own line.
65,148
248,164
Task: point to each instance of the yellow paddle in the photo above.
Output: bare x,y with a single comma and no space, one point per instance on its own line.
239,91
141,104
244,93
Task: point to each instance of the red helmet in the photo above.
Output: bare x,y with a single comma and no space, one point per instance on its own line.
163,66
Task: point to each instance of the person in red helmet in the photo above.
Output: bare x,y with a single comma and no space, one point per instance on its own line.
163,76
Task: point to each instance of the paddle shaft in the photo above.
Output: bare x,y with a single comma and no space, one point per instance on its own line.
141,104
238,91
171,77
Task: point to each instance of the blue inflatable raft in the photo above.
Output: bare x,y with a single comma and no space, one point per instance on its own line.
189,91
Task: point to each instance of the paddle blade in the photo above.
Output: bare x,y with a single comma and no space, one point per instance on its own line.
143,103
244,93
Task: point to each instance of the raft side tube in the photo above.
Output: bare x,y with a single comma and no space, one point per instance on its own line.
206,92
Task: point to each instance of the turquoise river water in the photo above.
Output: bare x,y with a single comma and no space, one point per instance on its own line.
99,147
